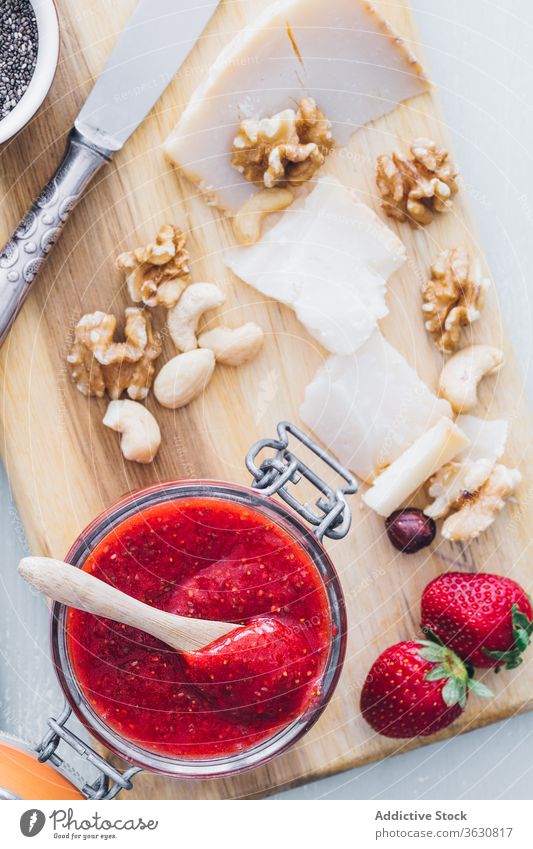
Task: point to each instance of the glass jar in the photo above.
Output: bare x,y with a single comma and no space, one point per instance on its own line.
330,517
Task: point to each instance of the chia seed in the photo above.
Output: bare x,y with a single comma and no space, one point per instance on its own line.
18,51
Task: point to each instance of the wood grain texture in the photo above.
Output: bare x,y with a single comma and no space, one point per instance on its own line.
65,467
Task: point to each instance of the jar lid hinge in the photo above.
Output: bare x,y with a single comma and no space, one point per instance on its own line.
110,780
333,517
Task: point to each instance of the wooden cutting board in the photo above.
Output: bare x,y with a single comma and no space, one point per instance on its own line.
65,467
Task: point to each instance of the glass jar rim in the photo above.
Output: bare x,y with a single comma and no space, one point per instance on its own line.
265,750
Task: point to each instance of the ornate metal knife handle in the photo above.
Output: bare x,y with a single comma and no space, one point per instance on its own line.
24,254
333,517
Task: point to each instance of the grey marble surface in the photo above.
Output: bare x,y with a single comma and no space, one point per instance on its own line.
479,53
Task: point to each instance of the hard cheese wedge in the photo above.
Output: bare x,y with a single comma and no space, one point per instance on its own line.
425,456
370,407
341,52
328,258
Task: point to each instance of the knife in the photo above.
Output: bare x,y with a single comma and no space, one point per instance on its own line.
157,39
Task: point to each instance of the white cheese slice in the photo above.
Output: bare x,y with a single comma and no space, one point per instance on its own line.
369,408
341,52
432,450
488,438
328,257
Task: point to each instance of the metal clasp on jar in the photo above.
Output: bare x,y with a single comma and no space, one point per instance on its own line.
110,781
333,517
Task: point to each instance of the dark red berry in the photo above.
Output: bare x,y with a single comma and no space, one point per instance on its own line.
410,530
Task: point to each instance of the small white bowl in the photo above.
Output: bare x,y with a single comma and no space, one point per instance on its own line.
45,68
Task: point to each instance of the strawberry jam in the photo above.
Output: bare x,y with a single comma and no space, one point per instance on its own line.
214,559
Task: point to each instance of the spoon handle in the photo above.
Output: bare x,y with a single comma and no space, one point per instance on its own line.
74,587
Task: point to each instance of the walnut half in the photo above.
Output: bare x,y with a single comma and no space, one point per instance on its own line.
99,364
414,188
449,484
476,511
453,297
157,273
288,148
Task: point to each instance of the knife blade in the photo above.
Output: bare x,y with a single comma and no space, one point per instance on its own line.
157,39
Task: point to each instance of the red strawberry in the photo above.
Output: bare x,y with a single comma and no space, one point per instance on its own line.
415,688
486,619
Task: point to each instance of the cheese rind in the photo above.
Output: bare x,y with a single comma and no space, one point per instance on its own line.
328,257
342,53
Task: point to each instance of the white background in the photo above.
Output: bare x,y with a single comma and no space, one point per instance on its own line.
480,54
224,825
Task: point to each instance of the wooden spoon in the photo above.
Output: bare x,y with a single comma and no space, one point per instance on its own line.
74,587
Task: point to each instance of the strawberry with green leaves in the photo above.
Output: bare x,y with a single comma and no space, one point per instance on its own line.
416,688
486,619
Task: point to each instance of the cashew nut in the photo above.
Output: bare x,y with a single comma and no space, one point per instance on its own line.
248,220
233,346
183,318
184,377
141,436
463,372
